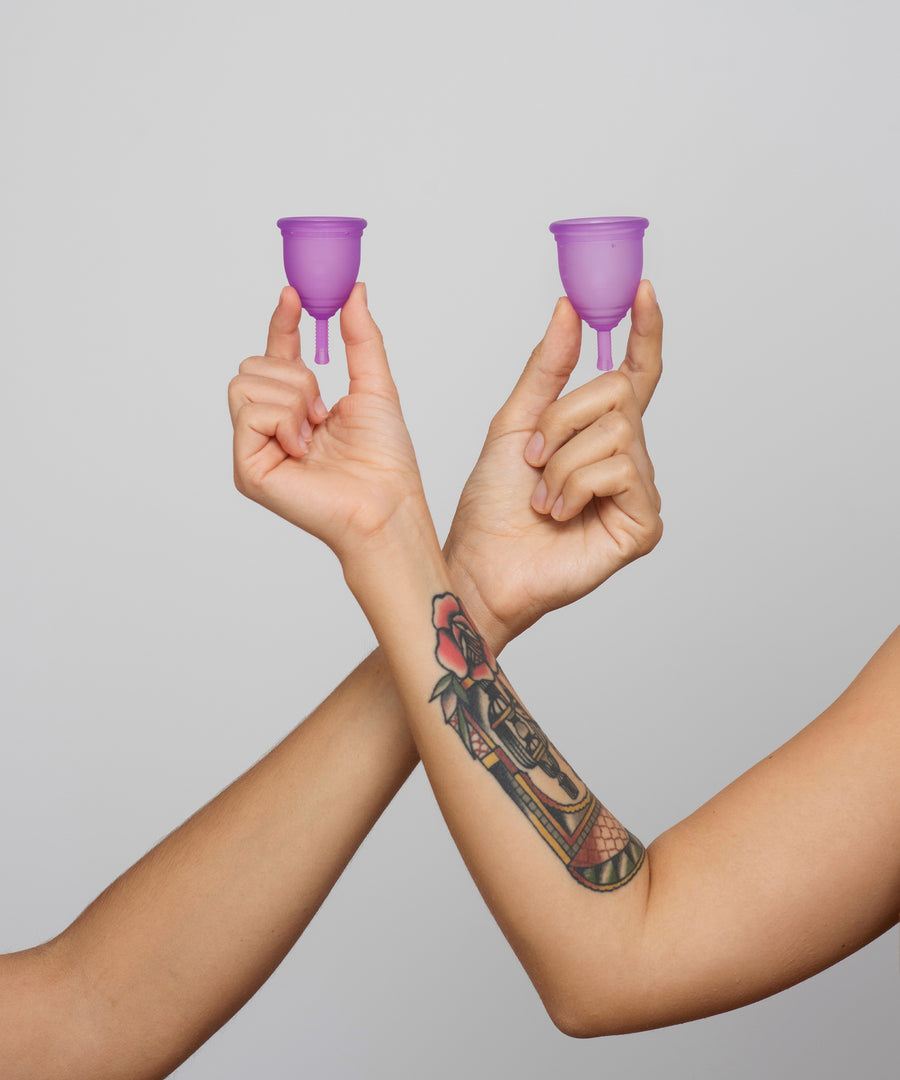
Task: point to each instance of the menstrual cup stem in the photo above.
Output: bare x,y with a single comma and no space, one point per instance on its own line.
604,351
321,341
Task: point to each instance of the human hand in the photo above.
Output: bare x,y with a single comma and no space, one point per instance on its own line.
563,493
344,475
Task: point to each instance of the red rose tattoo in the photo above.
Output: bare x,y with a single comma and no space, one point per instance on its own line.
460,648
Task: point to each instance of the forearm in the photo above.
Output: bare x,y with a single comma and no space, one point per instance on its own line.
177,944
565,881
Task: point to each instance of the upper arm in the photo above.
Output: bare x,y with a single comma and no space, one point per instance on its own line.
784,872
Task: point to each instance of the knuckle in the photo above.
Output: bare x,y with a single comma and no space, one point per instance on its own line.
628,472
647,536
307,380
655,533
618,427
240,481
249,365
578,488
296,400
619,386
236,391
548,421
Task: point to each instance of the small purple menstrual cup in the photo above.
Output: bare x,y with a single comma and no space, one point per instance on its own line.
321,260
600,263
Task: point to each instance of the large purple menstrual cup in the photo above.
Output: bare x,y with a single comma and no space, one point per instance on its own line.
600,263
321,260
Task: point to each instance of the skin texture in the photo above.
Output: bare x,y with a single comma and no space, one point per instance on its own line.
177,944
715,917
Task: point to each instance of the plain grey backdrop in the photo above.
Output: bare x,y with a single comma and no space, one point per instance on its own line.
158,633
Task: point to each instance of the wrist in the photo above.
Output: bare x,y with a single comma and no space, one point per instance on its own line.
491,627
403,556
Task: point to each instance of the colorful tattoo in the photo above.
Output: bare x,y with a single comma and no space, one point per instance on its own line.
497,730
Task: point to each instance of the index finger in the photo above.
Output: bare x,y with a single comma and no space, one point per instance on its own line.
548,368
284,328
643,355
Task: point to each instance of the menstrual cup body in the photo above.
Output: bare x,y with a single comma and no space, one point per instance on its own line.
321,260
600,263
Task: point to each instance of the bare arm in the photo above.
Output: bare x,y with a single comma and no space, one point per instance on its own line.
783,873
177,944
797,863
180,942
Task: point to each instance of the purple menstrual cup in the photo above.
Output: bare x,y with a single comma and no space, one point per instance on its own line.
600,263
321,260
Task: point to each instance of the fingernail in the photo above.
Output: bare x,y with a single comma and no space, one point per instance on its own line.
534,449
318,410
539,497
365,293
557,507
306,431
652,292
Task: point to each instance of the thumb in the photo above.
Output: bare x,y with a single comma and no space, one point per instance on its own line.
366,358
548,368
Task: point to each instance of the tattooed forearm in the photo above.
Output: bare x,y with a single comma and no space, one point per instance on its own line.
497,730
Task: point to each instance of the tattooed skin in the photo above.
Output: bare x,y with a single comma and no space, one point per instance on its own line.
497,730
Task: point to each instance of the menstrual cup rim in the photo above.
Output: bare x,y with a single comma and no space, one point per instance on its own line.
598,226
321,225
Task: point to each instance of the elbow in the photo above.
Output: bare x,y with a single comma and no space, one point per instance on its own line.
582,1023
630,1002
576,1024
617,997
583,1013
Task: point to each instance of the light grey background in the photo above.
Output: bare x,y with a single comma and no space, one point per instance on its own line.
159,633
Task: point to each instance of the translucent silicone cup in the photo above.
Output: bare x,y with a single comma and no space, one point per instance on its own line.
600,263
321,260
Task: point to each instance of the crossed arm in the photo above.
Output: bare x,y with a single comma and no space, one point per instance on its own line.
177,944
783,873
